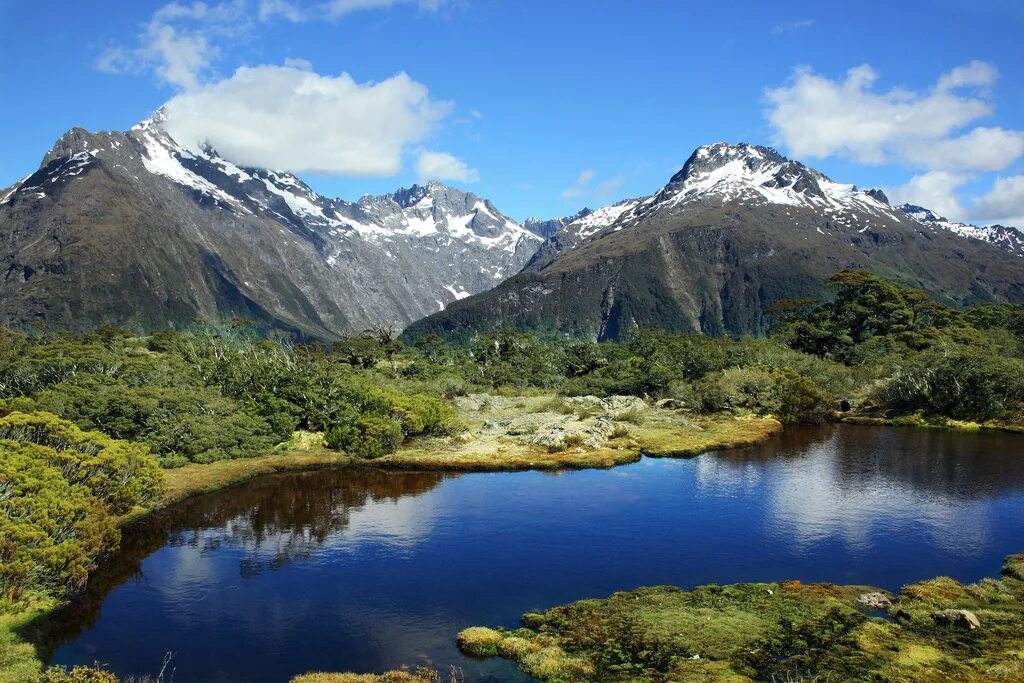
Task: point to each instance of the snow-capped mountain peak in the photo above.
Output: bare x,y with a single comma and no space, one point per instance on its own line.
760,175
393,258
1006,238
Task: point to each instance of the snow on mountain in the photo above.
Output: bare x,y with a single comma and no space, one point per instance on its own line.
411,251
550,227
1006,238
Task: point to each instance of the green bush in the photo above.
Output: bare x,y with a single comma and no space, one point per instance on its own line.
119,474
194,422
956,382
367,437
780,392
51,530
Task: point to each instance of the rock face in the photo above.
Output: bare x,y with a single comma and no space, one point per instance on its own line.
960,618
130,228
548,228
737,229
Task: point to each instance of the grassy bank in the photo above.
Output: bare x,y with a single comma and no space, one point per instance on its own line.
548,433
933,423
193,480
937,630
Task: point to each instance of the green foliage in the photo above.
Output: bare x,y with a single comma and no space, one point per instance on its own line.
78,674
51,531
960,382
927,357
120,475
368,437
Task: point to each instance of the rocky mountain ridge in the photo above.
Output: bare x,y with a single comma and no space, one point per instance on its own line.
738,228
132,228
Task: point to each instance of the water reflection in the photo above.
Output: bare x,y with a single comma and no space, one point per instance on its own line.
275,520
364,570
854,482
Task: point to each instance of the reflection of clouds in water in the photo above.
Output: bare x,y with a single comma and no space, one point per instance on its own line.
811,498
718,477
198,562
400,523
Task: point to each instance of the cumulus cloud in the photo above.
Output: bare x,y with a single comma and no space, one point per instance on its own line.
298,120
178,42
815,116
1004,203
444,166
935,190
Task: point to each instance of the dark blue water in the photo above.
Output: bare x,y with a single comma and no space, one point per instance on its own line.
362,570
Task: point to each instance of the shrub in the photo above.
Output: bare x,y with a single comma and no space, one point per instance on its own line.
368,437
957,382
51,530
78,674
634,416
119,474
619,432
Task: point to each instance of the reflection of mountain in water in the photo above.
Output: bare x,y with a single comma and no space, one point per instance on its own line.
276,519
851,482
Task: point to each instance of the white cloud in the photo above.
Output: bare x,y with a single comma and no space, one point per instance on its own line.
584,186
180,42
1004,203
337,8
298,120
177,43
444,166
815,116
268,9
935,190
581,187
787,26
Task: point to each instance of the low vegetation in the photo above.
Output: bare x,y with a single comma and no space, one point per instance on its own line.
97,428
936,630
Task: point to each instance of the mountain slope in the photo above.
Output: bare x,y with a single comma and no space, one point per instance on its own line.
737,229
548,228
130,228
1006,238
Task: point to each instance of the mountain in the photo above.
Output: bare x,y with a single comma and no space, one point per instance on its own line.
1006,238
548,228
131,228
737,229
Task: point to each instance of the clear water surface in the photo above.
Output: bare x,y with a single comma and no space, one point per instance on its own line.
363,570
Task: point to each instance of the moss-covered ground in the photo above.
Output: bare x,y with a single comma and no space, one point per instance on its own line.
772,632
545,433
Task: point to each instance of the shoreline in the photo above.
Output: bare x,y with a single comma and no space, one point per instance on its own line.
17,657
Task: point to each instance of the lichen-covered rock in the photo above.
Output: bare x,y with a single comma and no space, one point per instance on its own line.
875,600
956,617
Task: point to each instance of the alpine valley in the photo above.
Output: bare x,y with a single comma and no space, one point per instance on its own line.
133,229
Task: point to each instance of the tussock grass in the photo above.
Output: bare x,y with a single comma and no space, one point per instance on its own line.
786,631
420,675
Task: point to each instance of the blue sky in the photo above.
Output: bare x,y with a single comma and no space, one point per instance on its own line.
543,107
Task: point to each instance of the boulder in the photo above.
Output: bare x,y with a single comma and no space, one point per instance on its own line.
670,404
875,600
956,617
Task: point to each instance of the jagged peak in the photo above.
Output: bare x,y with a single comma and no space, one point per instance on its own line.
878,195
707,158
155,120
